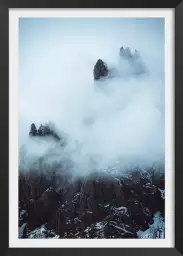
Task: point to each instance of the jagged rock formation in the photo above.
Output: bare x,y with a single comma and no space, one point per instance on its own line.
100,69
44,130
126,53
133,60
33,130
99,206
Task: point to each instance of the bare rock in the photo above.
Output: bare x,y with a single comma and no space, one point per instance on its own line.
100,69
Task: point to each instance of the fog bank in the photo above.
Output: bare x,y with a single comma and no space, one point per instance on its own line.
118,120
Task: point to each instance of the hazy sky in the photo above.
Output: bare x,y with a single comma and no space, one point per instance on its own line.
56,59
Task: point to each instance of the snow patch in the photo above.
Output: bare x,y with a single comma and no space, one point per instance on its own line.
42,232
162,193
156,230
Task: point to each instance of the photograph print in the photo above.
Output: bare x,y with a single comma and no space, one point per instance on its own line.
91,136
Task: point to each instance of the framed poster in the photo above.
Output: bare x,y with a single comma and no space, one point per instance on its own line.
91,129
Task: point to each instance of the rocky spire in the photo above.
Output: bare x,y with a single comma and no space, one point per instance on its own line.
125,52
33,130
100,69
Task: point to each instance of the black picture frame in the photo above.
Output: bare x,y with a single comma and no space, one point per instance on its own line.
4,100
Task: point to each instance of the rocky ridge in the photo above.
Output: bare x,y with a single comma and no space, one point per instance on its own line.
101,206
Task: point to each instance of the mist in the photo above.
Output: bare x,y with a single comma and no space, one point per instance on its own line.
114,121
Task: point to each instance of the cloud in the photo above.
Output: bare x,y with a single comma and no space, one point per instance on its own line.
120,118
